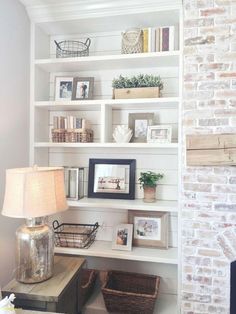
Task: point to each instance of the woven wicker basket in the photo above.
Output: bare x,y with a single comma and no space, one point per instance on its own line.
132,41
72,136
88,279
130,292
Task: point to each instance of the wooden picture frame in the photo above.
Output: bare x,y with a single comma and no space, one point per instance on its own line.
159,134
139,122
63,88
150,228
83,88
122,237
112,178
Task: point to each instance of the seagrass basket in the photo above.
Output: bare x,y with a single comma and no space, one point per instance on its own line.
130,292
88,279
132,41
72,135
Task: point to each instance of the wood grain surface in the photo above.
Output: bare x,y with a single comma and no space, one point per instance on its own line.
211,150
65,268
20,311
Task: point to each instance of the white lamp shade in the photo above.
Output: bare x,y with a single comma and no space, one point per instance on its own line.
34,192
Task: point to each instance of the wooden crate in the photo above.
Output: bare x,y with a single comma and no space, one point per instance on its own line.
142,92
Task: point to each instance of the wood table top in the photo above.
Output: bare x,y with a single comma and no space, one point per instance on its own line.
20,311
65,268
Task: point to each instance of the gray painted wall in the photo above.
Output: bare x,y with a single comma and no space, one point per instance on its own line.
14,114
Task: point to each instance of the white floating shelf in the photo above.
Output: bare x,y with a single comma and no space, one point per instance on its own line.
123,61
137,204
105,145
103,249
165,304
150,103
102,18
87,105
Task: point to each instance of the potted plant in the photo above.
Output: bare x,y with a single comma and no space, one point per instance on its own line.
139,86
148,181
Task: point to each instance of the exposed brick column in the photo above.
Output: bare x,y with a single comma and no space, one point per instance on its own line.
208,193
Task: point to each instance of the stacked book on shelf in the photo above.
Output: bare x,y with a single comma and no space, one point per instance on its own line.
69,122
159,39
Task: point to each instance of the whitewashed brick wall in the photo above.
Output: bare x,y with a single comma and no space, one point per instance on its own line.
208,193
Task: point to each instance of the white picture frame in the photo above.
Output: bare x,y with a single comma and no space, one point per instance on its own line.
159,134
122,237
63,88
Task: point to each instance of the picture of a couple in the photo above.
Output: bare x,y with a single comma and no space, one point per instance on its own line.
82,89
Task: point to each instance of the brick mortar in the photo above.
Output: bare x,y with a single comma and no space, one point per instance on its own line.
208,193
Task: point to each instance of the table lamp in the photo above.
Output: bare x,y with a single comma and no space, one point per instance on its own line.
33,193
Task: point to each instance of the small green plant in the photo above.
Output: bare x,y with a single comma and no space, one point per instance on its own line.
149,178
140,80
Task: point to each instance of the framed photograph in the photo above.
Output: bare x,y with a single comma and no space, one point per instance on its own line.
159,134
63,88
82,88
74,183
139,122
122,237
150,228
112,178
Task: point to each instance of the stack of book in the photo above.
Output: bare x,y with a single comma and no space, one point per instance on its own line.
159,39
68,122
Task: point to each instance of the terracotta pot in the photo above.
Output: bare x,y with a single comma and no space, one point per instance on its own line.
149,194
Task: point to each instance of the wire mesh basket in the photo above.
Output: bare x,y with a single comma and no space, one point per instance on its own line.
74,235
72,48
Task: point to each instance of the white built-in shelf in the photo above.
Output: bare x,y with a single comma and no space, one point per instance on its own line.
88,105
103,249
56,19
110,62
139,103
165,304
137,204
106,145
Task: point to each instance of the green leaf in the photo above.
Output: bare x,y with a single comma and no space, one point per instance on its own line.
140,80
149,178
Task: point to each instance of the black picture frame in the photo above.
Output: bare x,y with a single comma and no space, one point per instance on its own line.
129,191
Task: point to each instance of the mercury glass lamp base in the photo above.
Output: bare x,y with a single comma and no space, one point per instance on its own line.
34,251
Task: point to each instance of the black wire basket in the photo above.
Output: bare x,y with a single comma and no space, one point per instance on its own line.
74,235
72,48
